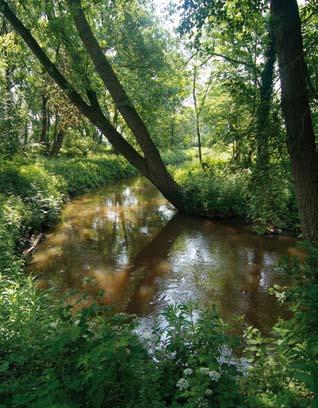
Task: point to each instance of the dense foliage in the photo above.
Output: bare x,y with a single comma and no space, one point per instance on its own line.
32,191
224,191
93,359
206,95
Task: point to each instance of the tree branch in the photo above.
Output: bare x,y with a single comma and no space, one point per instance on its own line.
94,115
111,82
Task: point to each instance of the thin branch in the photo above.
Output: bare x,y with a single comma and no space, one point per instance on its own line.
95,116
206,92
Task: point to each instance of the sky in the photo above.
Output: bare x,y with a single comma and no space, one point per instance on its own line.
161,8
161,11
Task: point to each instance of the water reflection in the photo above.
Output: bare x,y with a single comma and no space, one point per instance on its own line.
127,240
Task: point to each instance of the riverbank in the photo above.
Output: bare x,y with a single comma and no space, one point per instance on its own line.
33,191
221,191
136,248
53,358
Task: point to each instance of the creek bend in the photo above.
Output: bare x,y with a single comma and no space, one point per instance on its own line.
127,240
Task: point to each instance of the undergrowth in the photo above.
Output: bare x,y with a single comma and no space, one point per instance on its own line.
222,191
51,357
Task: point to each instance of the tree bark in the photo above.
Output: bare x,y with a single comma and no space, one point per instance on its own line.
197,113
296,111
57,143
43,136
151,166
156,168
171,132
263,109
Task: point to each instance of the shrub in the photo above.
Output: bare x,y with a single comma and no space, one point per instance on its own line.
284,366
173,157
81,175
221,191
40,191
52,359
196,367
215,192
13,215
271,200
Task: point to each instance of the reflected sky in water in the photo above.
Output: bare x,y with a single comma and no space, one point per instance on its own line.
128,241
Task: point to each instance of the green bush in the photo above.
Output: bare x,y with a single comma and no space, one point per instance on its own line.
221,191
32,192
173,157
194,359
52,357
215,192
41,192
271,200
83,174
49,358
13,215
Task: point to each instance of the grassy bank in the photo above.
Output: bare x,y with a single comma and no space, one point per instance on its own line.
33,190
32,193
51,358
223,191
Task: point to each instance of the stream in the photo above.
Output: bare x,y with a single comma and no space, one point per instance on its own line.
127,240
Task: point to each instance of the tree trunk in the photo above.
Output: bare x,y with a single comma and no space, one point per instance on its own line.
197,113
296,111
159,175
43,136
171,133
263,109
57,143
151,165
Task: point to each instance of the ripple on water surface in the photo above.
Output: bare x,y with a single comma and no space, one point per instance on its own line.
128,241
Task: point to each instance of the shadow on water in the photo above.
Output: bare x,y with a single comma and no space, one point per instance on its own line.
128,241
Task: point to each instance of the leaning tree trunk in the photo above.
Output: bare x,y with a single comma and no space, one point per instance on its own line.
158,171
151,164
296,111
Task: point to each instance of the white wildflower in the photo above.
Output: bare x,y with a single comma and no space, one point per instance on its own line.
208,392
214,375
187,371
182,384
202,403
204,371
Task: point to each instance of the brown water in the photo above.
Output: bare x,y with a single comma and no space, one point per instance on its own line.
127,240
